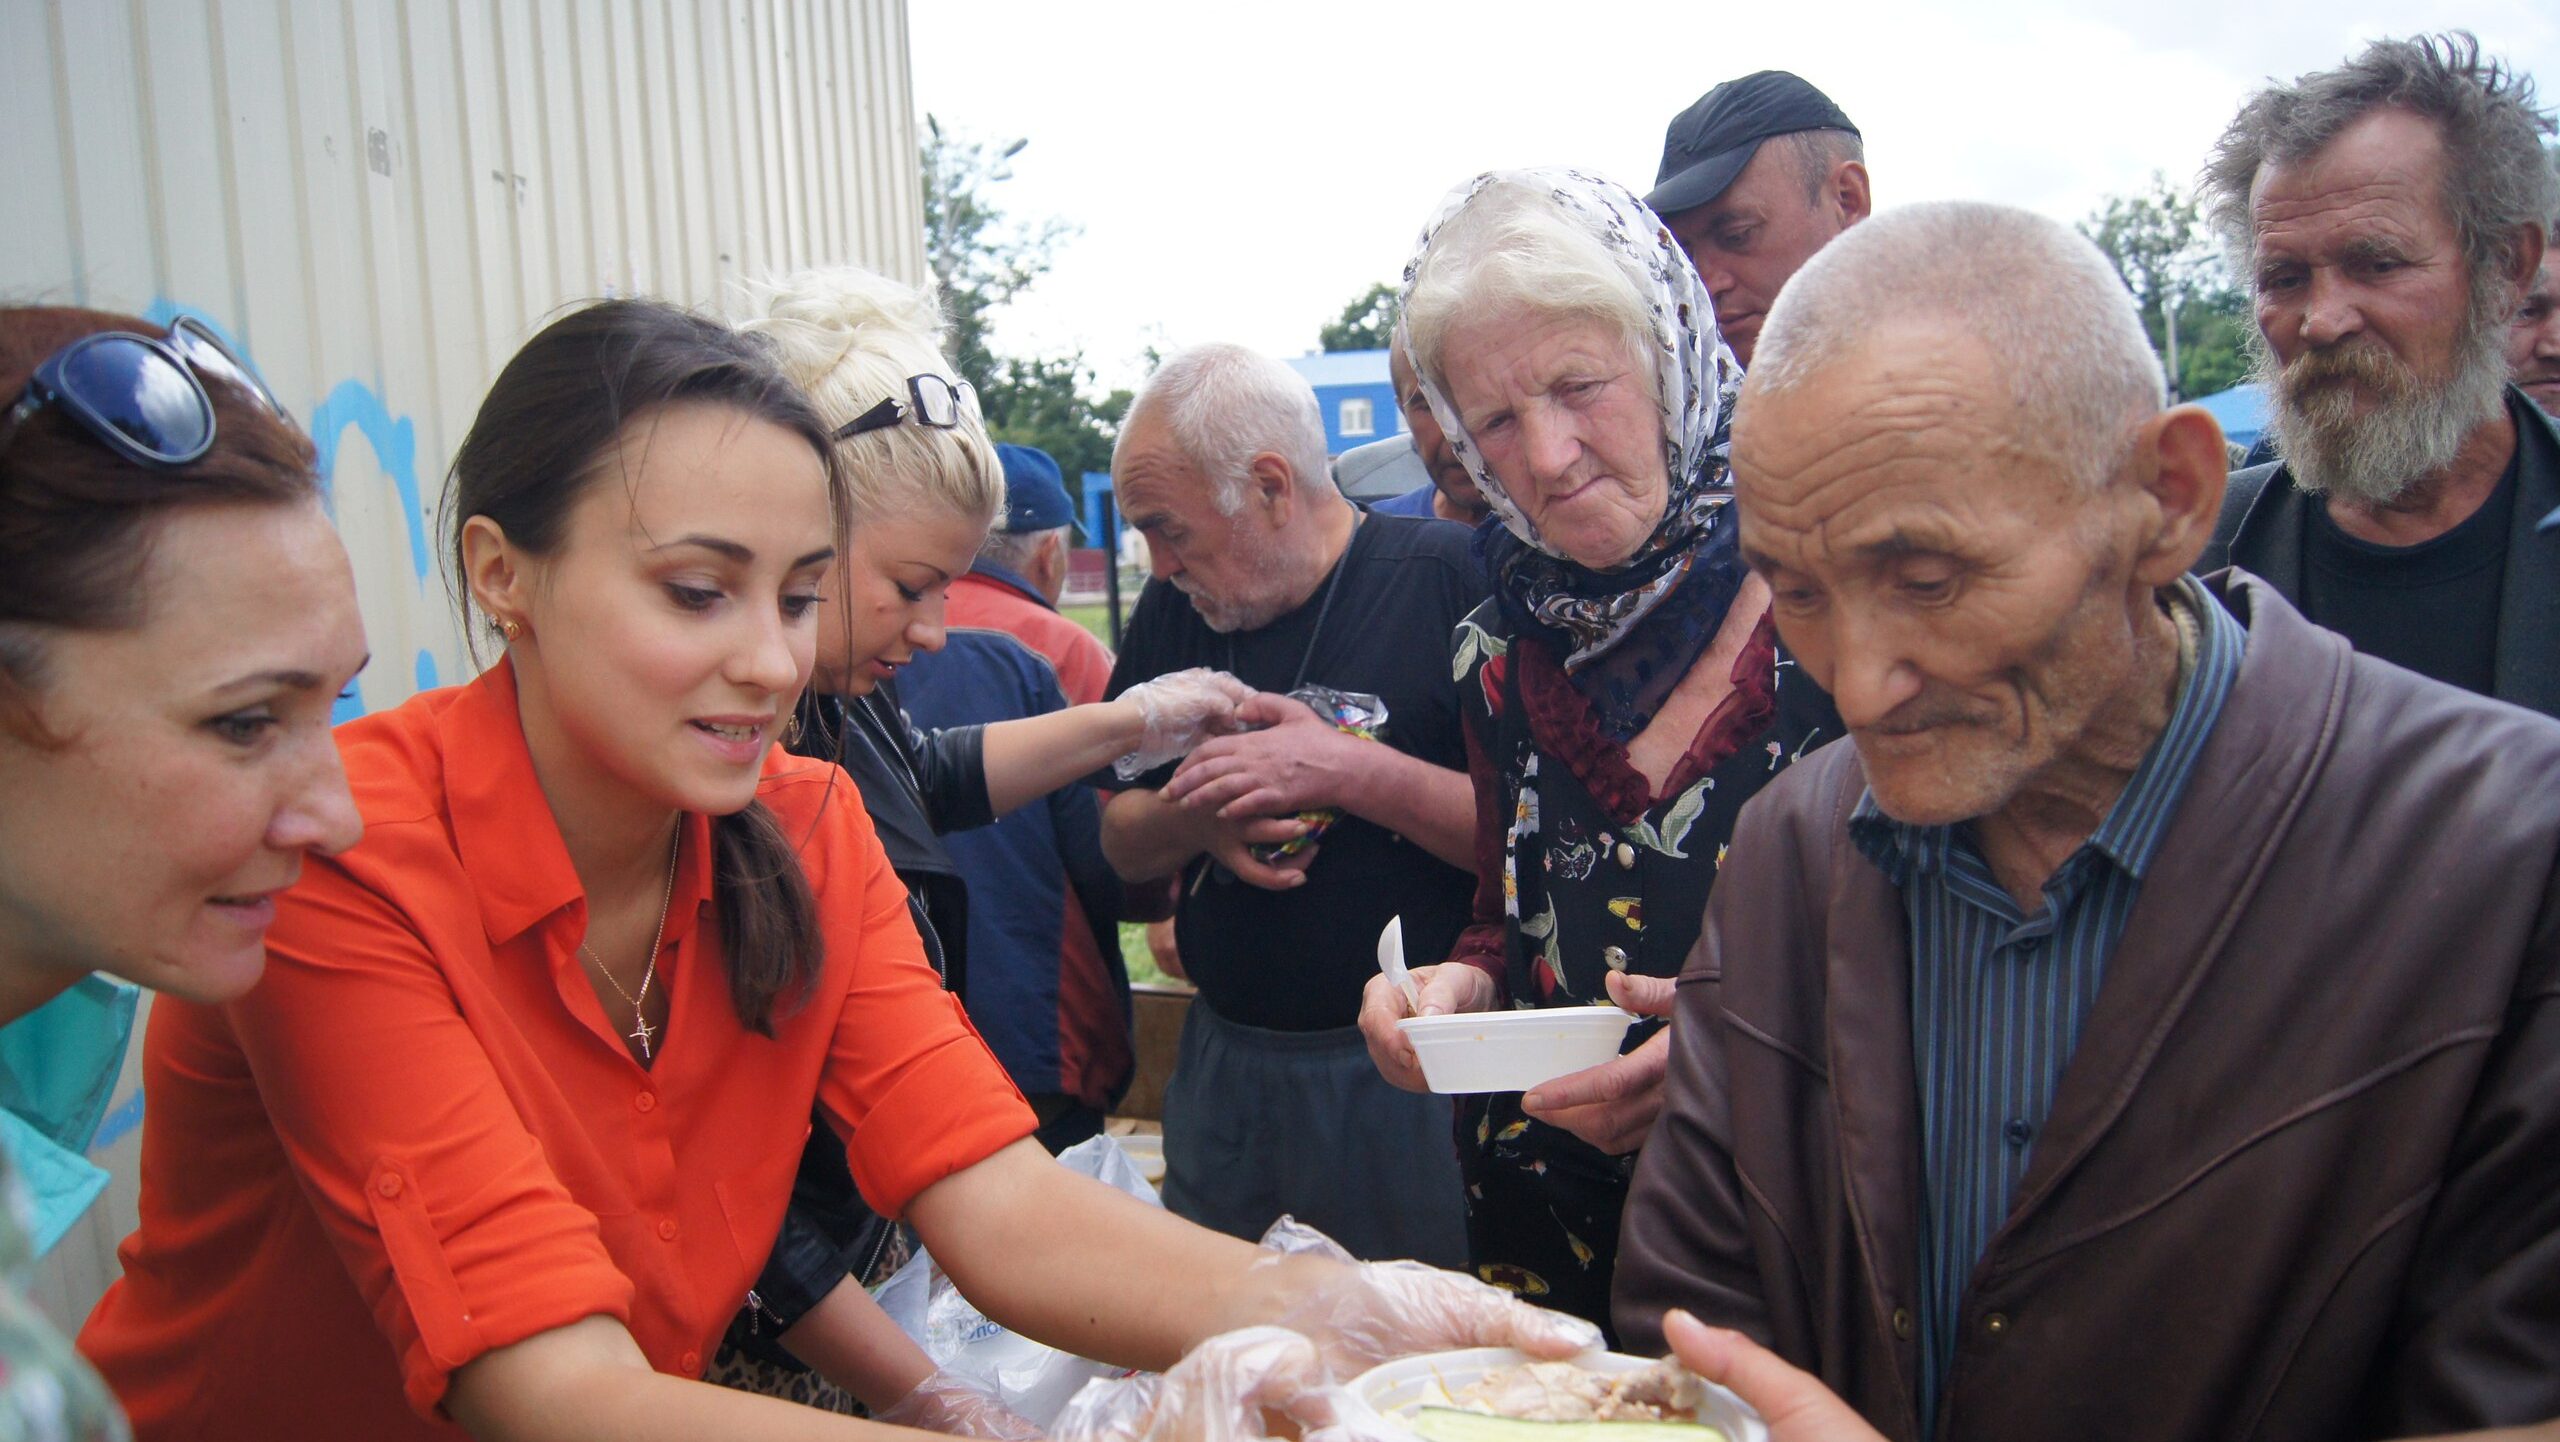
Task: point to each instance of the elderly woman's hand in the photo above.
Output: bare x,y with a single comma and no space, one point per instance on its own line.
1613,1105
1444,989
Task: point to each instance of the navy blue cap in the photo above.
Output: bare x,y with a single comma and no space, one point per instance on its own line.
1035,496
1708,144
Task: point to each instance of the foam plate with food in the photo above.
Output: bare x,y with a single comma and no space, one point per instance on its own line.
1494,1394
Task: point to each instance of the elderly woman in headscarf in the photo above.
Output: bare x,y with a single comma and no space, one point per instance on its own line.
1624,692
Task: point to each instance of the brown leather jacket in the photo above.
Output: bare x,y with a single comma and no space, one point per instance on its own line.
2302,1177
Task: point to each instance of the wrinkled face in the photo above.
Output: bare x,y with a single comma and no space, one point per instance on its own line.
1429,441
2533,340
1747,242
670,632
1230,566
197,767
1970,608
2375,362
885,601
1566,422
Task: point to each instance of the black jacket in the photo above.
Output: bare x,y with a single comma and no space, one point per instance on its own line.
915,785
2266,522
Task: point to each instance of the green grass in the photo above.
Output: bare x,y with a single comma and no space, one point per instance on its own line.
1141,962
1095,618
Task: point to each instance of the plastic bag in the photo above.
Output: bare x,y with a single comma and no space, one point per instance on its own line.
1356,713
1032,1378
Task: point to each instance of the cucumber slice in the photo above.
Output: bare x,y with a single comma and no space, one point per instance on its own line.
1451,1424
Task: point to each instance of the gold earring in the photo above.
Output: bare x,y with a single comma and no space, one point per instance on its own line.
791,731
510,629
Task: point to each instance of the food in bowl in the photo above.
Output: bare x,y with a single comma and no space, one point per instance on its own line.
1663,1391
1496,1394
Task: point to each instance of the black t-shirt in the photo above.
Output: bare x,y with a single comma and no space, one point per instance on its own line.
1297,960
2431,608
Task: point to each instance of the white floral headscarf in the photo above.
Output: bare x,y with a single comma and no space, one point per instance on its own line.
1695,382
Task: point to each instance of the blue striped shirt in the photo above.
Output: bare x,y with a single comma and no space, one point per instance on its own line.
1998,997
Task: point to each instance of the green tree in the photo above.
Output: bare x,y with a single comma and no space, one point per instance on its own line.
982,258
1046,402
2197,319
1368,323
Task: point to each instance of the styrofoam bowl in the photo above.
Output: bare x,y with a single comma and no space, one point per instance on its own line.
1511,1051
1388,1394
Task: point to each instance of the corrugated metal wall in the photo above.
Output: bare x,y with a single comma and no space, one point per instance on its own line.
380,199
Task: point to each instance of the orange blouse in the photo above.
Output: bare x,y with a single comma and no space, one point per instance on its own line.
419,1138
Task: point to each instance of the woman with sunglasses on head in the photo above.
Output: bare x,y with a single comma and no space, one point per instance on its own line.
176,619
500,1143
924,485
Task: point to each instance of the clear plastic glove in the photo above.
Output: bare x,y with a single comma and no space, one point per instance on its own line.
1180,711
1218,1393
949,1402
1369,1312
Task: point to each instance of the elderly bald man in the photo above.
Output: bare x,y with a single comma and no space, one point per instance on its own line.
2150,1026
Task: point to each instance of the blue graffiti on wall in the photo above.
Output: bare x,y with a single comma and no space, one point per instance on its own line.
394,441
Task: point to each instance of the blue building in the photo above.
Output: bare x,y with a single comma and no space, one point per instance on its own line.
2241,412
1353,393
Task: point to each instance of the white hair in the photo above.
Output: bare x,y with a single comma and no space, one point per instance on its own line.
2038,295
1224,405
1014,550
851,338
1513,251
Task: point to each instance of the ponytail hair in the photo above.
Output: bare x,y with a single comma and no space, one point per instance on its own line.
768,916
545,433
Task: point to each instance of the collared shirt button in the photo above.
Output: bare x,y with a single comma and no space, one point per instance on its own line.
1615,956
667,1230
1626,856
2018,1132
389,1186
1902,1323
1996,1323
646,1101
691,1362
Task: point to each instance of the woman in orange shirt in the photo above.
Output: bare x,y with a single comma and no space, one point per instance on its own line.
500,1142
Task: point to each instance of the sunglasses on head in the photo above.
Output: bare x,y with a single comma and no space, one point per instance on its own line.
142,396
938,402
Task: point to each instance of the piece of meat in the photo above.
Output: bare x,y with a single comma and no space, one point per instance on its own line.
1563,1392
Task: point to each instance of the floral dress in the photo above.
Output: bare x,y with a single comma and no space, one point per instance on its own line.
1582,870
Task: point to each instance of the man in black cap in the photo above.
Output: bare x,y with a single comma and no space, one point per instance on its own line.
1758,175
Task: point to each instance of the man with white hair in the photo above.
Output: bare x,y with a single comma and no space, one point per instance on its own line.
1264,571
2149,1027
2389,216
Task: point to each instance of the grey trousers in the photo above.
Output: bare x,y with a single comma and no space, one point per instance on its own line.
1259,1123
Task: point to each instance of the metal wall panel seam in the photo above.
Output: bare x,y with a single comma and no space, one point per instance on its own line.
226,177
59,53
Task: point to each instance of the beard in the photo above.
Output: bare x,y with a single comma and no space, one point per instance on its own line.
1261,595
2354,421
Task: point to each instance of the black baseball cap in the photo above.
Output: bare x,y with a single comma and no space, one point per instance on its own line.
1709,143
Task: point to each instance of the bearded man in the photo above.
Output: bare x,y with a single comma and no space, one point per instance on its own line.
1263,571
2389,216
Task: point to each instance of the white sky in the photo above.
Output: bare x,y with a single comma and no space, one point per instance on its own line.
1240,172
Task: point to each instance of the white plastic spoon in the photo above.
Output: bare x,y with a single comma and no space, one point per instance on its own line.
1391,961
